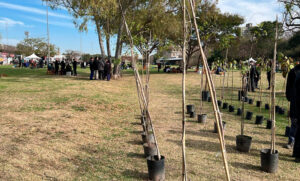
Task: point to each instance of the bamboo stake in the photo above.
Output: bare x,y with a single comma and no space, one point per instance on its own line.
184,174
231,85
273,90
201,89
213,96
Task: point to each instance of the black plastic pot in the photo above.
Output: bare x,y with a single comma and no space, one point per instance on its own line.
269,124
225,105
202,118
144,138
209,99
241,94
281,111
259,119
156,168
243,143
219,103
245,99
239,112
250,101
277,109
205,95
267,106
249,115
287,131
269,161
258,103
190,108
192,114
231,108
216,128
149,150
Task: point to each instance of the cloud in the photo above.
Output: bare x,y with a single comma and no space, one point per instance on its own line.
9,41
254,11
32,10
55,23
9,22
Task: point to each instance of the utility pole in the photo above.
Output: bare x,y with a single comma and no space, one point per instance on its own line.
48,56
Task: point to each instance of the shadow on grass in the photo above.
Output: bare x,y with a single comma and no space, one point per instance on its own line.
136,155
246,166
135,142
135,174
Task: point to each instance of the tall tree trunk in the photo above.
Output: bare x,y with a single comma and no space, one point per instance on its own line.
107,36
99,32
118,48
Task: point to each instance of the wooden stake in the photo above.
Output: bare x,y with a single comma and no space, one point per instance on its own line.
213,96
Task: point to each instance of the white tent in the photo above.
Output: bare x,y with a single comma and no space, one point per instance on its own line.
32,57
59,57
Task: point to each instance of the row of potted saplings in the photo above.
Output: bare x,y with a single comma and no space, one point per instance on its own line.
269,162
155,161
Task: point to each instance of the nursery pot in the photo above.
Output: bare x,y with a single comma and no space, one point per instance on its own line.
192,114
231,108
259,119
156,168
144,138
225,105
249,115
281,111
216,128
149,150
219,103
243,143
241,94
209,99
258,103
190,108
245,99
269,124
269,161
250,101
239,112
277,109
202,118
205,95
287,131
267,106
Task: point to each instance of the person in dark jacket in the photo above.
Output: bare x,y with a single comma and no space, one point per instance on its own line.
63,67
107,70
296,108
290,86
75,67
269,69
101,69
253,76
56,65
96,68
91,68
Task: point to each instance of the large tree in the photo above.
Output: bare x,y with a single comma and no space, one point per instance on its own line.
35,45
291,14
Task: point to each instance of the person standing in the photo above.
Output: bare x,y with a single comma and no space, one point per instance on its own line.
63,68
96,68
253,75
296,96
91,68
269,73
56,65
158,67
101,69
107,70
75,67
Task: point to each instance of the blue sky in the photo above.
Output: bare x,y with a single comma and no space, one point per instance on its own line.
18,16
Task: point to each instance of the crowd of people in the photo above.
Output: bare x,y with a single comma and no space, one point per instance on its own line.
100,68
64,67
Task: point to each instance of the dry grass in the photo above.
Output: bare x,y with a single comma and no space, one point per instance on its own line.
57,128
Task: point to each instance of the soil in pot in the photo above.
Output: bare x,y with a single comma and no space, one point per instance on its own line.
202,118
243,143
190,108
287,131
269,161
216,128
259,119
205,95
231,108
225,105
258,103
250,101
249,115
219,103
149,150
269,124
239,112
156,168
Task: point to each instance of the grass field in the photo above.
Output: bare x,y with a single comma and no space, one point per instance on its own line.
66,128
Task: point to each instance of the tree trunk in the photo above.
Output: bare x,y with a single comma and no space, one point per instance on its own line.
118,52
99,32
107,36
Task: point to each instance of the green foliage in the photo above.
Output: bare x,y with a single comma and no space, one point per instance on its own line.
35,45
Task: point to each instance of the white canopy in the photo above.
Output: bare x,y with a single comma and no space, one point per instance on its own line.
60,57
250,60
33,56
